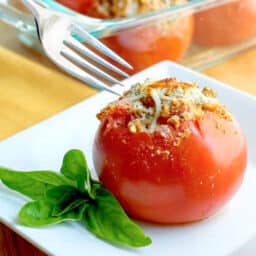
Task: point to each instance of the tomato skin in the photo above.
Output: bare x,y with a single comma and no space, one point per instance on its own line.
80,6
147,45
191,182
227,24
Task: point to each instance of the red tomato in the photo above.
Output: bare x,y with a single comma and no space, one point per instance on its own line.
227,24
156,181
147,45
77,5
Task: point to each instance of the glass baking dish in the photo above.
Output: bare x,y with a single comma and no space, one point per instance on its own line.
197,33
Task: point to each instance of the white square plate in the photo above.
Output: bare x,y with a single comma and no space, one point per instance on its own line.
230,232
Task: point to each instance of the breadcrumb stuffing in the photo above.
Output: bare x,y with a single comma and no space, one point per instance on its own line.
154,105
128,8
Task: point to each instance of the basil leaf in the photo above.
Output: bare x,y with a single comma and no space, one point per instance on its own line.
39,213
65,198
59,210
57,193
74,196
74,167
107,220
33,184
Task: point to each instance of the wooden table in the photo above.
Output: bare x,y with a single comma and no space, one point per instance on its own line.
239,71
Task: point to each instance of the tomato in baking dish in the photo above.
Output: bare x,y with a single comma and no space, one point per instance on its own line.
150,44
227,24
170,152
77,5
163,39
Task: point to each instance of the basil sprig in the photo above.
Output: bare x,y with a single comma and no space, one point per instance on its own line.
72,195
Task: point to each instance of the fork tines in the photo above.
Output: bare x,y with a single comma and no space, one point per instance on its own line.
81,55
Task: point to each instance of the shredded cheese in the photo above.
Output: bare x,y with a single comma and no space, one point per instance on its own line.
171,101
158,106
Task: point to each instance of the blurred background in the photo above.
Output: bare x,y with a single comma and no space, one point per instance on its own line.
215,37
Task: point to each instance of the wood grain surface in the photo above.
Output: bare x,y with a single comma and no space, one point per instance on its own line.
26,99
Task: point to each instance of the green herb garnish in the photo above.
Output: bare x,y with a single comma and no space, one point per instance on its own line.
73,195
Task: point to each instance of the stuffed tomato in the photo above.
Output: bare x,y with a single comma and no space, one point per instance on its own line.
170,152
146,44
227,24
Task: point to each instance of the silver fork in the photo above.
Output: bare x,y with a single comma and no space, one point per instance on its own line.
58,35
